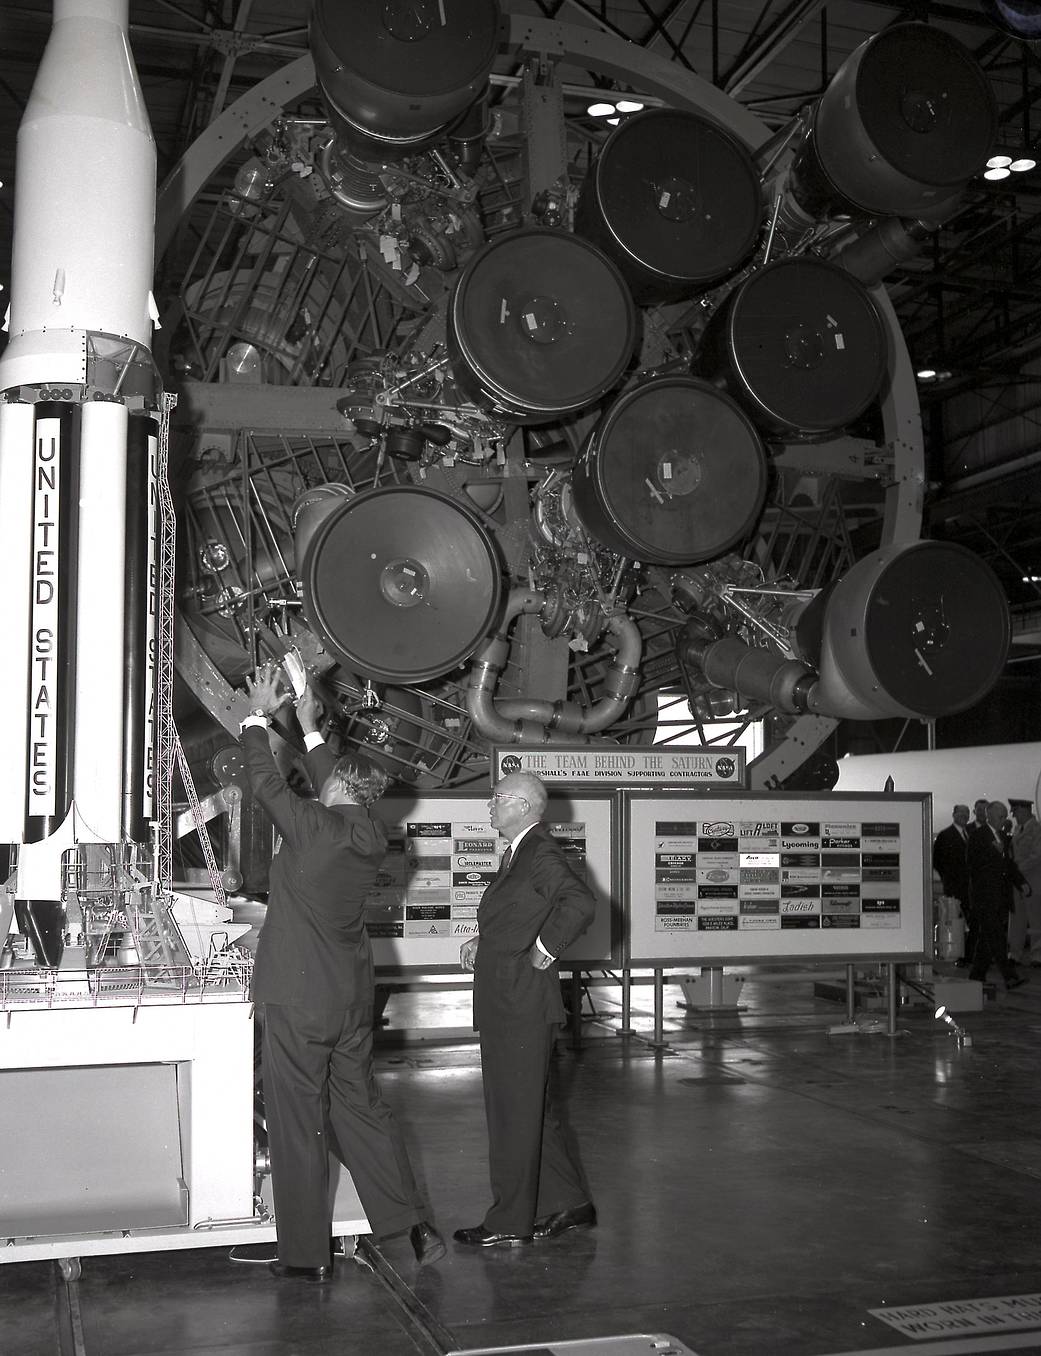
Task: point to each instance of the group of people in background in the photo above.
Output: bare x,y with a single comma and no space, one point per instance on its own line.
992,866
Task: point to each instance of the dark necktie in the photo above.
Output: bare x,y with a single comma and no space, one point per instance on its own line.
506,858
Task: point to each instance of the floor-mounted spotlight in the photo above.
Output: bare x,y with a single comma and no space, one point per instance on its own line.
942,1015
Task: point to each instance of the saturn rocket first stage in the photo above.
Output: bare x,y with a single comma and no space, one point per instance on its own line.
80,424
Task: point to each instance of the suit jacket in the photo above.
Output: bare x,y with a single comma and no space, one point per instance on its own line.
539,895
951,862
314,952
992,873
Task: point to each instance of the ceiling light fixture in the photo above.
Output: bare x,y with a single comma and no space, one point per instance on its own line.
611,111
1001,165
933,374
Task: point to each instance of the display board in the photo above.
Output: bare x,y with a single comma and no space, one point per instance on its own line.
746,877
443,852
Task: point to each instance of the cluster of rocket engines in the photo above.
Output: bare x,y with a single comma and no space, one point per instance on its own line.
765,267
766,263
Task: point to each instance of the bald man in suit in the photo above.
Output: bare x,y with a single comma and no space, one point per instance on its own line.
534,908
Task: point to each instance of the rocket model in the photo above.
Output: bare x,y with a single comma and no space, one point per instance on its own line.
78,445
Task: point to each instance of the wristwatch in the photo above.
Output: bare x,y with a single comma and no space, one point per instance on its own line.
259,711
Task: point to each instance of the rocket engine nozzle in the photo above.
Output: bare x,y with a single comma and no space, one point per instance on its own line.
400,584
1020,18
901,129
919,630
394,78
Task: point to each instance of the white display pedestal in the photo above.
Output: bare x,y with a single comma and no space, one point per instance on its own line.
128,1127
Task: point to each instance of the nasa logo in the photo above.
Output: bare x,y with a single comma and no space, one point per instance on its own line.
725,767
511,763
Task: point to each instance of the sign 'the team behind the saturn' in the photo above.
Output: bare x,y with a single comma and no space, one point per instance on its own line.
611,767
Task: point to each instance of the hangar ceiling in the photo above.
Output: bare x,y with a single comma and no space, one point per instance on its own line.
967,304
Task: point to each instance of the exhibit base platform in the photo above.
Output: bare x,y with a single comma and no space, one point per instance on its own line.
129,1128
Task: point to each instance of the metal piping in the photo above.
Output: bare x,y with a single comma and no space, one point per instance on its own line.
534,721
756,674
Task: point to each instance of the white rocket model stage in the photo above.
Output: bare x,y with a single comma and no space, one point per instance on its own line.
105,1150
78,442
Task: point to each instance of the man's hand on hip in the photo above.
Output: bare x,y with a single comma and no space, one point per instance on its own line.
539,959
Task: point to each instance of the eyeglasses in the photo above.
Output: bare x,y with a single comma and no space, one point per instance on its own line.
507,795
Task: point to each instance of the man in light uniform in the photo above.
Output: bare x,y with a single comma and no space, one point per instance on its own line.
1026,853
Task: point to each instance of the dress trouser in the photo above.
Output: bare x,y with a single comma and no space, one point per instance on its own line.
991,942
1025,918
321,1097
533,1158
971,929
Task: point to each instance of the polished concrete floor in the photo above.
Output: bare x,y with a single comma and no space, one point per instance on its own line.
764,1182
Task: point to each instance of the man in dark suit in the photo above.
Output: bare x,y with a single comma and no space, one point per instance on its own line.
979,815
534,908
992,876
951,864
313,983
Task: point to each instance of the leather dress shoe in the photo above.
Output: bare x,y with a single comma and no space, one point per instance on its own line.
427,1243
578,1217
316,1275
480,1237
